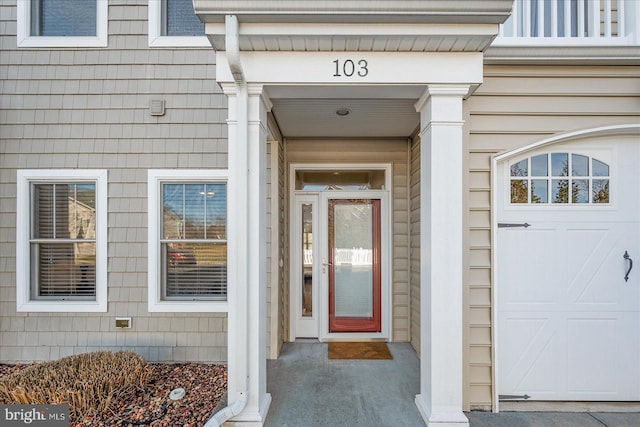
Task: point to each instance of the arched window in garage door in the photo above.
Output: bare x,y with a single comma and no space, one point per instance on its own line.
559,178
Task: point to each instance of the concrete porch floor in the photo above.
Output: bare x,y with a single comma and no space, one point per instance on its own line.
309,390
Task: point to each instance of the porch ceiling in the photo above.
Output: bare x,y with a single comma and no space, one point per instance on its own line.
374,113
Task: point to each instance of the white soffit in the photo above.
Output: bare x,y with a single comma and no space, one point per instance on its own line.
340,37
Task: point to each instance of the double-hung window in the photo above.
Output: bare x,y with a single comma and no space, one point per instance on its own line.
62,23
174,23
61,240
187,240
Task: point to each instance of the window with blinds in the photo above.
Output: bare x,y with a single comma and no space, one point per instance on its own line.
63,241
194,241
179,19
63,17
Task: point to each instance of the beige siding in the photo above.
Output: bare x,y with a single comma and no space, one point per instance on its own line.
372,151
414,234
283,218
514,107
275,233
88,108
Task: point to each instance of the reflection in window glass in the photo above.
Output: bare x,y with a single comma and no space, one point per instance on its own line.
520,168
194,209
193,244
519,190
580,186
600,191
579,165
560,191
63,245
560,164
539,191
599,168
580,191
539,165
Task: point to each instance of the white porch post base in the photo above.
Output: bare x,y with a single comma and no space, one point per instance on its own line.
252,418
441,254
440,419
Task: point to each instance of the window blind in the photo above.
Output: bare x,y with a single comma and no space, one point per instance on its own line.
63,17
63,245
193,241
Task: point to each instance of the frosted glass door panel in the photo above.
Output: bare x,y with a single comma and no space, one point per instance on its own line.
354,265
352,260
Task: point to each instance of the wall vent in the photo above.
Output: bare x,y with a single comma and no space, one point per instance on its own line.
156,107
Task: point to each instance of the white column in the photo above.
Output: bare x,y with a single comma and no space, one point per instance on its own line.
441,169
247,371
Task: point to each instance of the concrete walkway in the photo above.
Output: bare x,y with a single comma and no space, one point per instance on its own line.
309,390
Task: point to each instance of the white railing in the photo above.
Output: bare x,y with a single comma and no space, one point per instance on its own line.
354,256
573,21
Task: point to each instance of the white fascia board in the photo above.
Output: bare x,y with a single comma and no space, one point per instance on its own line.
600,54
381,68
350,29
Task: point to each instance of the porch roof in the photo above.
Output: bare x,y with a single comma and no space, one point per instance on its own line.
346,25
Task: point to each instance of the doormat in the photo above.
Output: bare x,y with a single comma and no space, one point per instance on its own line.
359,350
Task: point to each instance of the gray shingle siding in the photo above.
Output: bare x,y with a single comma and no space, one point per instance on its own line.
89,108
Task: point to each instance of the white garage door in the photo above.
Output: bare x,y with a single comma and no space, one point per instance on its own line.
568,321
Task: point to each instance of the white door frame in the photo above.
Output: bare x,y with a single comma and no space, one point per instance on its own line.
321,287
495,161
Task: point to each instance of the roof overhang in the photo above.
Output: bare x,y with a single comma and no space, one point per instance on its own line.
357,25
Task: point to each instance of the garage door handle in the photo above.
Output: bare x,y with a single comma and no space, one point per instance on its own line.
628,258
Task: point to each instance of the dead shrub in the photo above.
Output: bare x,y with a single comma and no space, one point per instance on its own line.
90,383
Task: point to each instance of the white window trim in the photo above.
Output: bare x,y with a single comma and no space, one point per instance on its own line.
155,179
24,303
156,39
25,39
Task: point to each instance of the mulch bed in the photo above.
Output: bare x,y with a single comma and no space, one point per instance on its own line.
205,386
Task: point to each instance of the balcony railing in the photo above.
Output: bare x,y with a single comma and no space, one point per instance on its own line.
572,22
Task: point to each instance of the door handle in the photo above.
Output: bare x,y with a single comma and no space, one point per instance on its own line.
325,264
628,258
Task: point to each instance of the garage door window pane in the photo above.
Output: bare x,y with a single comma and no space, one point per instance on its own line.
520,168
580,191
560,164
600,191
600,168
539,191
540,165
560,191
519,191
579,165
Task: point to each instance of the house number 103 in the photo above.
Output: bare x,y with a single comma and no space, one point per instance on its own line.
350,67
